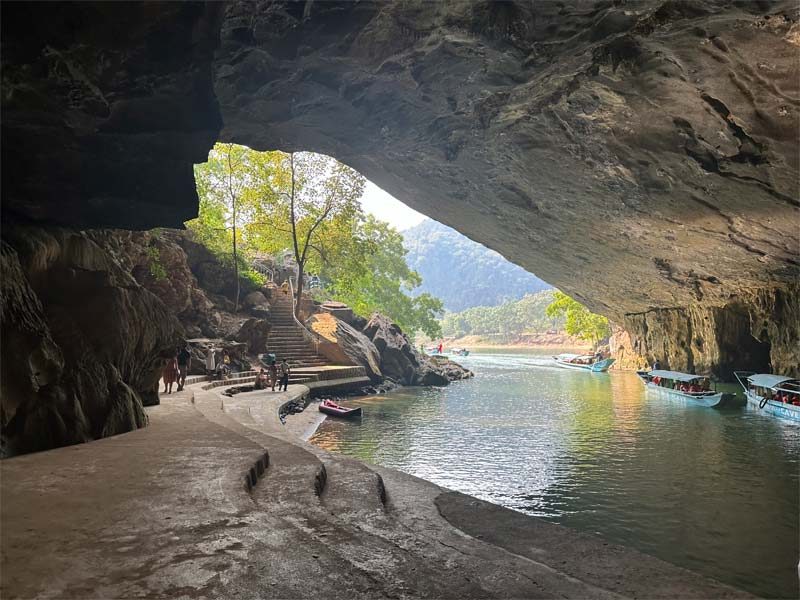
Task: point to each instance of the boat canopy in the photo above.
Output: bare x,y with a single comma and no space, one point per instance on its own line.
768,381
574,356
676,375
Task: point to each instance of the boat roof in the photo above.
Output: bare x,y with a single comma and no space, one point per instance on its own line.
767,380
571,356
676,375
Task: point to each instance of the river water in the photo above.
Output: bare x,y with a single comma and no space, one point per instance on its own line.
715,491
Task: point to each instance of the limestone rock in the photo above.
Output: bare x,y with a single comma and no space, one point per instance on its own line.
624,351
254,333
402,362
83,343
254,298
343,344
399,359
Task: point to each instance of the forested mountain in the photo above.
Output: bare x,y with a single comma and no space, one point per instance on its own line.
510,319
463,273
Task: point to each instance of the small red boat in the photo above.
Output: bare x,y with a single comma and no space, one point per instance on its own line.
329,407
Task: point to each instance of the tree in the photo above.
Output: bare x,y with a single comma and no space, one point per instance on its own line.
579,321
310,204
372,275
220,182
311,213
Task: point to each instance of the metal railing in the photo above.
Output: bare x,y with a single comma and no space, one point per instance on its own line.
311,336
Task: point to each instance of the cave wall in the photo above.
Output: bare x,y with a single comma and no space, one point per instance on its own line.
83,343
761,334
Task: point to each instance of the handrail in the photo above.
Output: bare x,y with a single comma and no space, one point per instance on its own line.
313,337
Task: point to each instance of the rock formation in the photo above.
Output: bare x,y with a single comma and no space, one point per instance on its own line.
83,343
643,156
402,362
344,344
383,350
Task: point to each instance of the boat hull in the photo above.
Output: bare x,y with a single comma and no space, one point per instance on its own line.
345,413
709,401
599,367
775,409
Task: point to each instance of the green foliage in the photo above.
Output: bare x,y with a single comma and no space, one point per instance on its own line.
373,276
309,204
579,321
157,270
527,315
464,273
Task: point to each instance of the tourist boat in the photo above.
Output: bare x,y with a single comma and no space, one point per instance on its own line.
460,351
329,407
666,384
584,362
761,389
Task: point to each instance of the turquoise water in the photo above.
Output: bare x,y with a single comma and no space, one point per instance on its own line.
715,491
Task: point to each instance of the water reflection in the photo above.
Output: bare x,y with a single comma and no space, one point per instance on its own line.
715,491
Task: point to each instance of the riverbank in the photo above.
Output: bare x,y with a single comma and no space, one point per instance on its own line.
543,341
218,498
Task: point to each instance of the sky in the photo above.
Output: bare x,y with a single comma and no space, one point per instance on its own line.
387,208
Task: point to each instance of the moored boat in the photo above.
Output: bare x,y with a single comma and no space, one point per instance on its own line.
584,362
774,395
460,351
675,385
329,407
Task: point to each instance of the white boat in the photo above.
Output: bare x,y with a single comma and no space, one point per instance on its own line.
762,391
583,362
668,384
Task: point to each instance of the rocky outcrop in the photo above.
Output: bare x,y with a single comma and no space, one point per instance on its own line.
83,343
624,351
158,262
758,333
343,344
403,363
254,333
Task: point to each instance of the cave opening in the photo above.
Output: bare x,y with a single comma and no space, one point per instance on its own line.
739,348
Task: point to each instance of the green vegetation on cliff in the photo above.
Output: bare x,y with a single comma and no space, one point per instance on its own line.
527,315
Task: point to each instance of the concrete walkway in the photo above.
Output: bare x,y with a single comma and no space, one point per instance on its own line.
171,511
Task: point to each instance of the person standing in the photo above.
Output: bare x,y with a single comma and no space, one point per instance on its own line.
184,362
285,371
211,362
273,373
439,348
170,373
656,365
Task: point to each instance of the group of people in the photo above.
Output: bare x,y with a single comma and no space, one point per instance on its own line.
269,377
218,365
177,368
692,387
786,398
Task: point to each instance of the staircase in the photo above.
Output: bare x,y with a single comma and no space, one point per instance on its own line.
286,338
